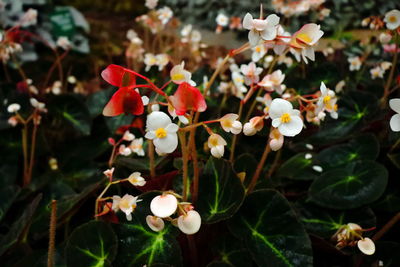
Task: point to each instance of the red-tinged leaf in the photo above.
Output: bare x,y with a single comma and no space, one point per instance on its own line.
161,182
136,123
125,100
186,98
119,76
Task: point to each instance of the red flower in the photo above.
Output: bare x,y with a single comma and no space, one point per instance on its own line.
186,98
125,100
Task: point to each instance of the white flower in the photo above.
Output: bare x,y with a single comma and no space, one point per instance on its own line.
273,82
285,118
29,18
12,108
164,205
38,105
71,79
190,222
327,100
317,168
162,61
162,131
136,179
137,146
303,41
179,74
63,42
253,126
151,4
230,123
376,72
339,86
251,73
259,52
149,60
195,37
156,224
309,146
355,63
124,150
308,156
186,30
366,246
13,121
261,29
164,14
128,136
385,65
395,120
392,19
222,20
385,38
126,204
238,80
277,139
109,172
217,145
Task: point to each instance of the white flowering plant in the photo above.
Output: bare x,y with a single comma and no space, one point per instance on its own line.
282,151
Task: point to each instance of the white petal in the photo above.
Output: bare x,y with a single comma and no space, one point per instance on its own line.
189,223
150,135
254,38
291,128
156,224
157,119
395,123
164,206
366,246
248,21
395,104
172,128
278,107
167,144
269,33
276,122
145,100
273,19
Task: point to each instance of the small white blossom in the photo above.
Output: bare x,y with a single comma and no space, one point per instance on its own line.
230,123
126,204
136,179
156,224
217,145
395,120
392,19
285,118
162,131
355,63
261,29
13,108
164,14
137,146
190,222
164,205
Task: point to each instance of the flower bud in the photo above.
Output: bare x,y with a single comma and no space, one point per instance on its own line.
156,224
164,205
189,223
366,246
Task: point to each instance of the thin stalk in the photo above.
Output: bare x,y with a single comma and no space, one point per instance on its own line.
235,137
196,173
150,151
52,233
387,227
32,156
96,207
391,74
259,168
184,148
275,163
25,153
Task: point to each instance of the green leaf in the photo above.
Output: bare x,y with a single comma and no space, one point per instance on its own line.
229,251
72,110
220,191
271,231
139,245
113,123
298,167
97,101
357,184
363,147
325,222
19,226
7,196
92,244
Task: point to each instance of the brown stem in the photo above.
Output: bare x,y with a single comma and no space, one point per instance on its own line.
387,227
52,233
25,153
96,206
259,168
275,163
32,156
386,91
184,148
193,250
196,173
150,150
235,137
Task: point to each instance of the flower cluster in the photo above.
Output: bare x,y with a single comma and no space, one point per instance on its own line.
350,235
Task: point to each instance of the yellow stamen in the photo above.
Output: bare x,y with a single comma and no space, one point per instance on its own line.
161,133
285,118
392,19
258,49
327,99
304,37
213,141
226,123
178,76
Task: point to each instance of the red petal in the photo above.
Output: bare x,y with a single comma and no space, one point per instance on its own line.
125,100
119,76
186,98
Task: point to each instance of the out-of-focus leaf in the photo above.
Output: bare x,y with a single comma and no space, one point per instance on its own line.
220,191
298,167
271,231
352,186
246,163
91,244
7,196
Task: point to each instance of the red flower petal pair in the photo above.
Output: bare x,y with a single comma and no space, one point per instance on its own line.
126,100
186,98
